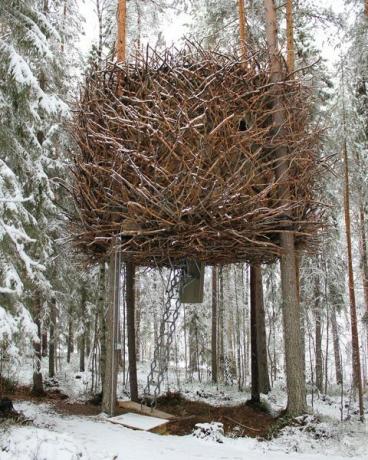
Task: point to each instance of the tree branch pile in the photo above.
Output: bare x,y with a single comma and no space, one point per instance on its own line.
177,157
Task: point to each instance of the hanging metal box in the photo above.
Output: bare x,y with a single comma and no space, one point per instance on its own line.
191,290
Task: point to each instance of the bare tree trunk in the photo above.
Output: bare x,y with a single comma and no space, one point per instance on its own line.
327,348
255,390
237,327
230,354
101,310
37,388
273,360
357,376
121,38
242,29
82,339
87,334
138,7
112,324
291,309
82,353
52,338
336,345
214,326
130,304
364,263
260,378
185,342
138,310
317,315
113,312
99,11
192,329
197,351
301,307
123,351
70,347
364,258
246,325
263,379
220,328
44,343
290,36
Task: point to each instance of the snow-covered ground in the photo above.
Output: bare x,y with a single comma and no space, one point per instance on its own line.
58,437
53,436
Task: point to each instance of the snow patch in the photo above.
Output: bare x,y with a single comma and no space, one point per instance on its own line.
30,443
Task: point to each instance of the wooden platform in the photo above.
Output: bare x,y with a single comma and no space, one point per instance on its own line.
138,421
137,408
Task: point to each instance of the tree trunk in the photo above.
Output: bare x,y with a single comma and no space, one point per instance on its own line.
192,343
357,376
260,378
317,314
37,388
70,339
220,328
44,343
138,315
301,307
185,342
290,305
290,36
82,339
247,351
327,350
112,322
230,350
197,350
263,379
82,352
242,29
336,345
255,390
113,311
121,38
124,344
237,327
364,257
87,334
52,337
294,351
101,311
130,305
214,326
100,15
364,263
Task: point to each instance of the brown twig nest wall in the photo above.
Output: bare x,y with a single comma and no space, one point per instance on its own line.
177,155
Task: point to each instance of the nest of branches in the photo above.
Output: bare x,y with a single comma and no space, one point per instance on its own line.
178,156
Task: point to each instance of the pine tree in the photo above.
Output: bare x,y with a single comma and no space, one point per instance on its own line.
291,309
32,108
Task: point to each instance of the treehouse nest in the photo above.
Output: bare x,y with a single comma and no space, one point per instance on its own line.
178,156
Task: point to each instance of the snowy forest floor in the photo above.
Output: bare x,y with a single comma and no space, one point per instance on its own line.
68,429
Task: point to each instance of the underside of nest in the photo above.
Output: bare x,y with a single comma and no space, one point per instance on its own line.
177,156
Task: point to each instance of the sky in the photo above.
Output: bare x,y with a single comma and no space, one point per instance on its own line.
327,38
